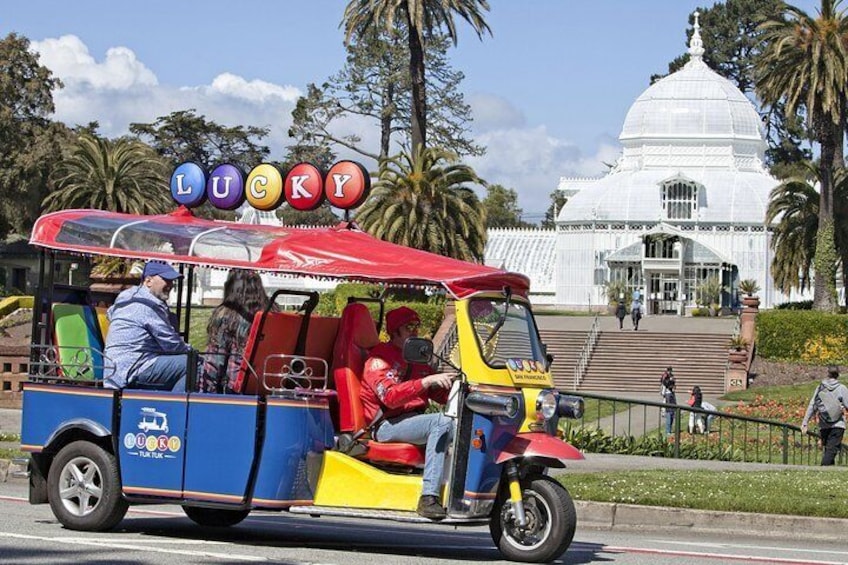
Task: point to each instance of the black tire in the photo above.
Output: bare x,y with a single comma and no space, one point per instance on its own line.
552,521
215,517
84,488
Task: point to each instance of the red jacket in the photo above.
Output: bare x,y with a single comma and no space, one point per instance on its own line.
386,385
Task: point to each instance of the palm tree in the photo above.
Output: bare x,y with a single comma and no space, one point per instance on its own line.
123,175
804,61
421,18
420,201
794,204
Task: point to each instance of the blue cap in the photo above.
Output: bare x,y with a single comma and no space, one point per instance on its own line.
164,270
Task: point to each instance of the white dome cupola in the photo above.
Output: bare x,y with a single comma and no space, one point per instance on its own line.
693,116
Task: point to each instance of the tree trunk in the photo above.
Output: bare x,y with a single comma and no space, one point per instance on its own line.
824,284
419,98
386,121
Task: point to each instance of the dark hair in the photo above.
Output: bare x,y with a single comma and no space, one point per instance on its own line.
833,371
244,295
699,398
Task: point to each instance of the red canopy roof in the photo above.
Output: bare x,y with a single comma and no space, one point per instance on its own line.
342,252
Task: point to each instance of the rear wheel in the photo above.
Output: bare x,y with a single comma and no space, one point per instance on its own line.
84,488
551,521
215,517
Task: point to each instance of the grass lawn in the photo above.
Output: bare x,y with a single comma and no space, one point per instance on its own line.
804,493
197,330
785,394
595,409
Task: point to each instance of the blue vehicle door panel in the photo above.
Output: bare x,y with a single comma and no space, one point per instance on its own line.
152,443
220,447
297,432
50,409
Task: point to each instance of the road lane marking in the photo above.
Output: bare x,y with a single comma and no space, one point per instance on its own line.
142,548
726,556
756,547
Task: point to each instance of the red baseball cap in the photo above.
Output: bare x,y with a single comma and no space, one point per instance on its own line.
400,317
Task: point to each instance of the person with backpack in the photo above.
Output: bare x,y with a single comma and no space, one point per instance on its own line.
829,403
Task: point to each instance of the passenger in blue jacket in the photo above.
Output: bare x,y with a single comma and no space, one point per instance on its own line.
143,342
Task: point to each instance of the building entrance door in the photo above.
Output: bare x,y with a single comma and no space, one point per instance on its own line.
664,293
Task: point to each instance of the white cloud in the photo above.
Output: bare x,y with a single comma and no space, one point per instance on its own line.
493,112
121,90
531,162
257,91
69,59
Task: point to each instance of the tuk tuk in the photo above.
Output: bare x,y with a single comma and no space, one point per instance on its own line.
292,437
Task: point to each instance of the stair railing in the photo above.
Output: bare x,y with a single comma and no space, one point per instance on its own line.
586,352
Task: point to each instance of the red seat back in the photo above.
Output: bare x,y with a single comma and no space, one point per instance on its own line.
277,335
357,334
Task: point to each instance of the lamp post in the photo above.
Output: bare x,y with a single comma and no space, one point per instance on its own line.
71,268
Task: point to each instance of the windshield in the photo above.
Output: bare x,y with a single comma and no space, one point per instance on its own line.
514,338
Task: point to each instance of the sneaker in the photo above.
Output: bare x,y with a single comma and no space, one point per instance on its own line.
429,507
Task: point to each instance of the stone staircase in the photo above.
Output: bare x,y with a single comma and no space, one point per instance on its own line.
565,346
632,362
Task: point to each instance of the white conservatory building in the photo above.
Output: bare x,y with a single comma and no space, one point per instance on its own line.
685,201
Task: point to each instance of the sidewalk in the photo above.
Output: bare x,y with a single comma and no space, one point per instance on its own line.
612,516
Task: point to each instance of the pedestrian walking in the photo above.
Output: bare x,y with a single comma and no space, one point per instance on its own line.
636,314
828,404
667,385
620,313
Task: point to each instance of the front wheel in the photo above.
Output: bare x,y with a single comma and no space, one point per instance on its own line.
215,517
84,488
551,521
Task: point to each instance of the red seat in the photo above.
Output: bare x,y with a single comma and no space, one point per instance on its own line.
277,335
357,334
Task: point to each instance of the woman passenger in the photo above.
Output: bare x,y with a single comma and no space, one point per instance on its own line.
228,328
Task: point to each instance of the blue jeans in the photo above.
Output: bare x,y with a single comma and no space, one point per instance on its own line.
434,430
167,372
669,420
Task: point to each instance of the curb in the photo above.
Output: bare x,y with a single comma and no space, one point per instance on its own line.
630,517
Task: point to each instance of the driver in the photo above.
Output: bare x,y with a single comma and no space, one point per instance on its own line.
396,394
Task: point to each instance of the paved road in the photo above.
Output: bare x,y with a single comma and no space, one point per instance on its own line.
162,535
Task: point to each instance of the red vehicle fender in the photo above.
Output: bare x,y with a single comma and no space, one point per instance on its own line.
537,444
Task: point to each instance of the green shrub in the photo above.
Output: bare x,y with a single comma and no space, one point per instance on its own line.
431,310
802,305
786,335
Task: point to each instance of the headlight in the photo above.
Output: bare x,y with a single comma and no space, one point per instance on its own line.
546,405
491,404
570,407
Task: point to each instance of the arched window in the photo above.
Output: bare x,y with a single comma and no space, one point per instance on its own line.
680,200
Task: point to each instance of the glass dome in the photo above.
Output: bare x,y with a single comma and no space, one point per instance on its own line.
693,103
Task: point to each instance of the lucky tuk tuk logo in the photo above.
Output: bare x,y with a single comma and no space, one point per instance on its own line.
304,187
152,440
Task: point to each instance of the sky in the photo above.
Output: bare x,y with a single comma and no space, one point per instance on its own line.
549,89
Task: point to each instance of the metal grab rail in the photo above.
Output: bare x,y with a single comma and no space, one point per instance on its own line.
723,436
586,353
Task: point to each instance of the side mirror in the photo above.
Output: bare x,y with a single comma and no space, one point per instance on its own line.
417,350
549,358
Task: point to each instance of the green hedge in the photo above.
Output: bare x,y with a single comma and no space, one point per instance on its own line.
12,303
786,335
431,310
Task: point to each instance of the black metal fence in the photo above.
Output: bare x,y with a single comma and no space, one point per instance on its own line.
643,427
